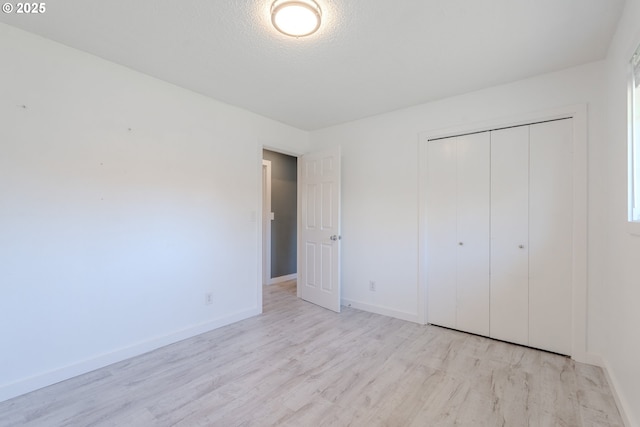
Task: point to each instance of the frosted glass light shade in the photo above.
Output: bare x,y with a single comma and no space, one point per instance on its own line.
296,18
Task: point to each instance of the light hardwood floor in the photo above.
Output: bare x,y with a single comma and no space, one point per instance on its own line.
300,365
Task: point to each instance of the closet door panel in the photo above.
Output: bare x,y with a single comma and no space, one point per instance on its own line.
473,179
550,236
441,232
509,234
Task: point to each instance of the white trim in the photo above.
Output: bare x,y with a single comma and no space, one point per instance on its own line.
255,217
579,270
275,280
580,240
26,385
621,402
298,223
422,230
384,311
266,221
516,120
281,151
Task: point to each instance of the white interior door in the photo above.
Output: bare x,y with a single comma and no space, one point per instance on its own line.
473,247
458,185
319,228
510,235
441,232
550,236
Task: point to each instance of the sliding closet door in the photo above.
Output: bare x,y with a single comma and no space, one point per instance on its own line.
473,200
441,239
510,234
550,235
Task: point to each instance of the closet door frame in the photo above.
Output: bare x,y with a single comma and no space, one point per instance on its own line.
576,112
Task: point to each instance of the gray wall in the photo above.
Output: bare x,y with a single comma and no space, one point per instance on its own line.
284,184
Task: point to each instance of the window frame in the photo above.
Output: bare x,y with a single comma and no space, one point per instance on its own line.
633,157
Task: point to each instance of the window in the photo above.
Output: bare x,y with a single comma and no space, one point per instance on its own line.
634,139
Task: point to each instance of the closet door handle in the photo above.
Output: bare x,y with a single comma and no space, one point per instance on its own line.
461,244
521,246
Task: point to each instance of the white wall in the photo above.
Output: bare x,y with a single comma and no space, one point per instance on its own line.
380,179
380,206
618,294
110,237
123,200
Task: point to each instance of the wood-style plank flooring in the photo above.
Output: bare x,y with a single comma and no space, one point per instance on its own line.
300,365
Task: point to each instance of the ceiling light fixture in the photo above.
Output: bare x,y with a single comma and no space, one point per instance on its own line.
296,18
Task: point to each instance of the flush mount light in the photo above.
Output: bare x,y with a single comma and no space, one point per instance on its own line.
296,18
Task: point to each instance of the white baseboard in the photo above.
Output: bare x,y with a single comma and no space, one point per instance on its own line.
621,402
26,385
409,317
281,279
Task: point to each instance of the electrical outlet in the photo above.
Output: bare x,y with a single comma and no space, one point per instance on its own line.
372,286
208,298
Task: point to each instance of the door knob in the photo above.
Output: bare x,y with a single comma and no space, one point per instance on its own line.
461,244
334,237
521,246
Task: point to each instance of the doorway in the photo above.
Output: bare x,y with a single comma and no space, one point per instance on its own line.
280,217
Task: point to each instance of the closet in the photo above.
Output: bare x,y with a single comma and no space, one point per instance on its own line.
499,234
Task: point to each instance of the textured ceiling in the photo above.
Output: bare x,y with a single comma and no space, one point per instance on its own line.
369,56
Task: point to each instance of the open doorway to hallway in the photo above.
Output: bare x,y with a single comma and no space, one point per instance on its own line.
280,194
